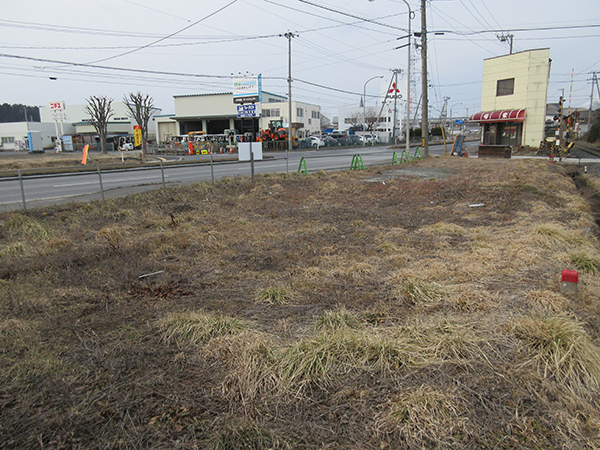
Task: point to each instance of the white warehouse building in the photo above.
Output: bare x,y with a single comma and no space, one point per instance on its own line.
215,113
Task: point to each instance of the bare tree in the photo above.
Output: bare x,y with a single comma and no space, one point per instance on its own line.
141,107
100,111
354,118
371,119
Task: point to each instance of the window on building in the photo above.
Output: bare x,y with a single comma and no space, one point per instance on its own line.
315,114
275,112
309,121
8,140
299,112
266,113
505,87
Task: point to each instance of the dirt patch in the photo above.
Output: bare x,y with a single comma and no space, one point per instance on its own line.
389,308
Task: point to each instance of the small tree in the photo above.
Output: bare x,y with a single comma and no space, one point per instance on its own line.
141,107
100,111
371,119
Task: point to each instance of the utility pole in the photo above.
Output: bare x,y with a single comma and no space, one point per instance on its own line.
289,37
395,93
506,37
594,82
424,83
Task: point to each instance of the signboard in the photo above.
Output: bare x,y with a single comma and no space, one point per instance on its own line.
56,105
137,135
247,89
250,110
245,149
459,121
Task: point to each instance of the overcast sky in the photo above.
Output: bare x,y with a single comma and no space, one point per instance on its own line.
192,47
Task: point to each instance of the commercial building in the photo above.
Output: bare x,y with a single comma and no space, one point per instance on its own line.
215,113
120,123
14,135
513,98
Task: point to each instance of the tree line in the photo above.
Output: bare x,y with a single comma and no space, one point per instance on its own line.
16,113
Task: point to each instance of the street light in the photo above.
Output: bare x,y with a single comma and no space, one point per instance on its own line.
365,103
410,17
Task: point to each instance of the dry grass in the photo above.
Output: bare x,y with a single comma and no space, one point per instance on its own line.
196,328
307,312
561,349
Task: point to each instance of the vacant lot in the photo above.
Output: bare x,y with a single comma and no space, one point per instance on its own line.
381,309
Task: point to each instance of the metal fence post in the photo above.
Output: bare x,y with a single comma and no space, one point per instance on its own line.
22,191
100,178
162,172
212,172
251,161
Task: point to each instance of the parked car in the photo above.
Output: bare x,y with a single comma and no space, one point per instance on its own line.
341,138
126,147
353,140
329,141
311,142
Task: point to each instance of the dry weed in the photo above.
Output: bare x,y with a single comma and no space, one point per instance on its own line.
251,359
340,318
545,301
197,328
468,299
274,295
426,417
322,357
561,348
421,293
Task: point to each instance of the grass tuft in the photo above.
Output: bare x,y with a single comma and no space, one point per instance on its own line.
319,358
339,319
422,292
197,328
247,436
273,295
562,349
427,417
585,263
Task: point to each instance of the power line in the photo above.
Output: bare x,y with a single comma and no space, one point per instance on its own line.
166,37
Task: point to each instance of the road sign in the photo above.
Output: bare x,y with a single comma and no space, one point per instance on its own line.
459,121
247,111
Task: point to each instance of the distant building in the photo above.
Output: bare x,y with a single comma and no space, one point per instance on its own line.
513,98
13,135
120,123
215,113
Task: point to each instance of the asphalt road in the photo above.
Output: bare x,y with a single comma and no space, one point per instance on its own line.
64,188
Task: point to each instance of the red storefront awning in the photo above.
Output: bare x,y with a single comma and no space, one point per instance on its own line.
510,115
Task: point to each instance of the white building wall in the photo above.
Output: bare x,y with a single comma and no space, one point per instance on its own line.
17,133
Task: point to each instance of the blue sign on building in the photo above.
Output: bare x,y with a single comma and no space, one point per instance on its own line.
247,111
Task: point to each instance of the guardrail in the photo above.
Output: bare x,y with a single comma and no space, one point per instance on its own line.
22,177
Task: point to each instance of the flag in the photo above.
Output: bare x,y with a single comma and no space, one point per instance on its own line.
85,155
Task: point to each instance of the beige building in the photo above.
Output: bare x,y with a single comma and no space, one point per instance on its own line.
513,98
215,113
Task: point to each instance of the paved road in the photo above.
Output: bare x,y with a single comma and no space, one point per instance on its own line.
44,191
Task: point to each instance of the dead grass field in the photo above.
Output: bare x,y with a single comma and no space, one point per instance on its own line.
357,310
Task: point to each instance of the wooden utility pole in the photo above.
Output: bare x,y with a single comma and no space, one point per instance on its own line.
424,84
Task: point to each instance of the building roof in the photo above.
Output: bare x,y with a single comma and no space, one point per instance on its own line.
203,95
223,93
517,53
